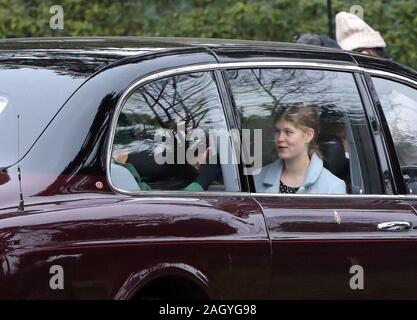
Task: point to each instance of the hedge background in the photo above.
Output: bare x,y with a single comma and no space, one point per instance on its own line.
275,20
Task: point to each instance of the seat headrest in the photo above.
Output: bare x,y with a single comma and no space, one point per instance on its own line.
334,158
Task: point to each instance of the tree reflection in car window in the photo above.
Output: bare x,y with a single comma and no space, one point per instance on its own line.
187,102
260,93
399,103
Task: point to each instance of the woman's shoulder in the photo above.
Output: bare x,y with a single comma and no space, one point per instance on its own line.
268,175
272,168
122,177
332,182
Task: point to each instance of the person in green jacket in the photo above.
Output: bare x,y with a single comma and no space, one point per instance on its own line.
207,173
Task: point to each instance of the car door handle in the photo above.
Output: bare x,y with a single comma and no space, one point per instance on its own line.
395,226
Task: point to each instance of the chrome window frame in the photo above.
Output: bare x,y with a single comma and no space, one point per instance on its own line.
400,80
125,96
239,65
391,76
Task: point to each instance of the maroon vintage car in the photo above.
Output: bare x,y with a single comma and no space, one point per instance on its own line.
101,197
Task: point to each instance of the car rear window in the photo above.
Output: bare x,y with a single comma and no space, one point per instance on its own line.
36,95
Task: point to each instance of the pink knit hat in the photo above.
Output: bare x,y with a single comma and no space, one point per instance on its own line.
353,33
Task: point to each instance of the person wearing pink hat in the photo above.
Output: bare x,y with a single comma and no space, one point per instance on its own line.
352,33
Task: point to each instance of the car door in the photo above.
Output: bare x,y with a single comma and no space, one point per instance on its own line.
83,234
396,98
328,246
165,126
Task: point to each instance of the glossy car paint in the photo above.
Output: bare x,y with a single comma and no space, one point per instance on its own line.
315,243
230,245
110,246
182,236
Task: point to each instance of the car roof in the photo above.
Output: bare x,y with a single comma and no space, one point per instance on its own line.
89,54
126,44
80,56
84,56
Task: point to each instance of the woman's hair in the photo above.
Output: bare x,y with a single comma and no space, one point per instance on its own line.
302,117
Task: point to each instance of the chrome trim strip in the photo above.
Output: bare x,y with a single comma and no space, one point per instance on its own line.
125,96
289,64
196,194
238,238
212,66
165,73
350,196
390,75
183,194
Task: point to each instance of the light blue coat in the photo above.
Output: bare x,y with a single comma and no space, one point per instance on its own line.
317,180
122,178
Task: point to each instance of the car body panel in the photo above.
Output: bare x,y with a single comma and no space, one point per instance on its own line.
233,246
315,243
141,236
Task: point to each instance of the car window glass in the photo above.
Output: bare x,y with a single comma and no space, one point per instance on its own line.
342,137
167,135
35,94
399,104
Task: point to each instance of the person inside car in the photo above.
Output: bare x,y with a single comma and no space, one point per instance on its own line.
207,173
352,33
299,168
316,40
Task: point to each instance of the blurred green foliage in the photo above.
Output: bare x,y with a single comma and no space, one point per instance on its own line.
275,20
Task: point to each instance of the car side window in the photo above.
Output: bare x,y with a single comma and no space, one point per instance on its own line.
342,139
399,104
166,137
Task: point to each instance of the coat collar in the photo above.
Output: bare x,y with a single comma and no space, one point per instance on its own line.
274,171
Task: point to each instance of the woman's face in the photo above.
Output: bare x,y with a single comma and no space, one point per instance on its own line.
291,142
